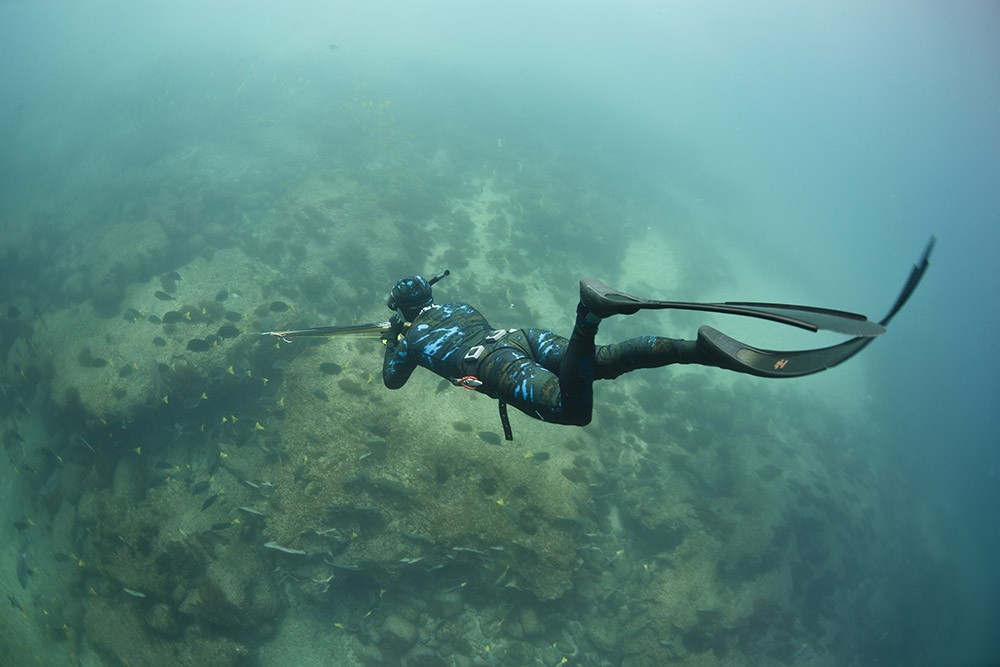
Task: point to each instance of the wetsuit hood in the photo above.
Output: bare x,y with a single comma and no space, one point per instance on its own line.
409,296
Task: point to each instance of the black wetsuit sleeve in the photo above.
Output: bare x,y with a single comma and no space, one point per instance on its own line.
397,365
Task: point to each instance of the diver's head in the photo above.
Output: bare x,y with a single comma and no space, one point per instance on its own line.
409,296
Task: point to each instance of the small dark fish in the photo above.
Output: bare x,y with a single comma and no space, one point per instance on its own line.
199,345
279,306
280,364
163,296
172,317
13,312
222,525
221,295
172,276
540,456
321,395
61,557
126,370
15,604
209,502
489,437
97,362
23,570
131,315
155,319
192,403
200,487
299,472
228,331
330,368
232,316
163,465
159,342
23,524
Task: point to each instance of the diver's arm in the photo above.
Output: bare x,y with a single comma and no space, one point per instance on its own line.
397,365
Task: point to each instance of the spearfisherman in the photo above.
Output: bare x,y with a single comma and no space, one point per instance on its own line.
550,378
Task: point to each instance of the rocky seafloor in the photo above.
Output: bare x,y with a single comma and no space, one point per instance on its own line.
183,491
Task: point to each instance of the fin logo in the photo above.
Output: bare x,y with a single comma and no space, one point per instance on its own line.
780,363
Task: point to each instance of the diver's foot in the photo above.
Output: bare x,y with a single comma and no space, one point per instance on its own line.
604,301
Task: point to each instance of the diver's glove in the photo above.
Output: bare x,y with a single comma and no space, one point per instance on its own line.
397,327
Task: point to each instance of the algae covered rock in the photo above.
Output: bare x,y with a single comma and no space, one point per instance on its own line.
126,362
162,619
398,634
235,593
605,633
431,500
117,632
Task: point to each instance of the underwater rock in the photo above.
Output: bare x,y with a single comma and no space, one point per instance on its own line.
129,482
531,626
551,656
398,634
425,657
236,593
367,654
106,298
162,619
605,633
449,603
117,632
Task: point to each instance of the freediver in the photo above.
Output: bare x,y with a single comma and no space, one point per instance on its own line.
550,378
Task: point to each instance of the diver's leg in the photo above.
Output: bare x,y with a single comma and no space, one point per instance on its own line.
577,369
600,301
647,352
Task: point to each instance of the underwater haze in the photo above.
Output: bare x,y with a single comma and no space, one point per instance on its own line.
177,177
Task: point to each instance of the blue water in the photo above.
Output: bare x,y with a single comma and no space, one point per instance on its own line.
791,152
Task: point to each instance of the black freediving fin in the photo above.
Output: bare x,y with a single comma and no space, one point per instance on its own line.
911,283
603,300
732,354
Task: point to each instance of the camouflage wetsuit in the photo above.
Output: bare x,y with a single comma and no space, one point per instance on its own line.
538,372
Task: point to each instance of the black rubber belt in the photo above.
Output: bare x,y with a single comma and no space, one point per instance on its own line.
505,421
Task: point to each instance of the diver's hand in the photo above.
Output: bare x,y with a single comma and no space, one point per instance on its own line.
397,327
